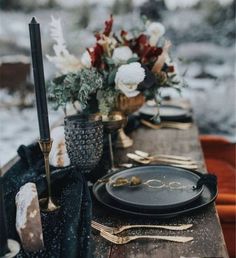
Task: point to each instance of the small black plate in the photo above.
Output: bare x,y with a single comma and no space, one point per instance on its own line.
173,187
208,196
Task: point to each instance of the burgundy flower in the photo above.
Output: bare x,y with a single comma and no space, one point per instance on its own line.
96,56
108,26
146,52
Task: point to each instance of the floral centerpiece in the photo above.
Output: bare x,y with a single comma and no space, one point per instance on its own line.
119,63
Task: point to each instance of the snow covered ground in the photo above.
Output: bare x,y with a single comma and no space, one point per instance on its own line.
208,58
19,127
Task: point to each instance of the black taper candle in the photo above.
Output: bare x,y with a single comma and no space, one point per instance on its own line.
3,223
39,82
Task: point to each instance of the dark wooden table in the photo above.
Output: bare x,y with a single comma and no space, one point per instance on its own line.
206,231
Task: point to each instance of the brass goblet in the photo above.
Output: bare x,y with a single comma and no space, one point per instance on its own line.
127,106
112,123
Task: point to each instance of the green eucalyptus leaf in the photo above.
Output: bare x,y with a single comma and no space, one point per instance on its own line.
132,59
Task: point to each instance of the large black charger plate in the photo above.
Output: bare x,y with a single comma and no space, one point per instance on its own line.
208,196
167,113
165,197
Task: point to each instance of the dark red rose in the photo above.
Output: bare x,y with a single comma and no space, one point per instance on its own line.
146,52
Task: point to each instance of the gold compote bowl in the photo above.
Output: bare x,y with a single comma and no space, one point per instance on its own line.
127,106
111,124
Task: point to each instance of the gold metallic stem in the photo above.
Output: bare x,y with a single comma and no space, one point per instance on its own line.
47,204
111,152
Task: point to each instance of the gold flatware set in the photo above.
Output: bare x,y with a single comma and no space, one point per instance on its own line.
117,230
124,240
109,233
177,161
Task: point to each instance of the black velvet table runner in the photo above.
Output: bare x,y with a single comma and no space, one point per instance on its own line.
66,231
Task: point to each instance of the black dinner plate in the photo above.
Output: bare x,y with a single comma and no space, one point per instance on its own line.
207,197
170,187
167,113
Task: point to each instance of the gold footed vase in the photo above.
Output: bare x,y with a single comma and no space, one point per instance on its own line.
127,106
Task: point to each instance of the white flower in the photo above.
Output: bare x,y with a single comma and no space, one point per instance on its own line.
155,30
128,77
122,54
86,59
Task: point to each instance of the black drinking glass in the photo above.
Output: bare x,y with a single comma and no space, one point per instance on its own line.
84,140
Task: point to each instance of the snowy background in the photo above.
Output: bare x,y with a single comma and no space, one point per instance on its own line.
203,36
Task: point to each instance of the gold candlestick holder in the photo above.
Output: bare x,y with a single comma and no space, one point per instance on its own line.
47,204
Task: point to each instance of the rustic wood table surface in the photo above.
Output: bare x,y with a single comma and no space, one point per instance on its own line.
206,231
208,238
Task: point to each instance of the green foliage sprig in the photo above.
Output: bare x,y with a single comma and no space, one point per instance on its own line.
106,100
74,87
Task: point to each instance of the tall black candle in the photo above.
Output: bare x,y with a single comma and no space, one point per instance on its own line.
3,223
39,82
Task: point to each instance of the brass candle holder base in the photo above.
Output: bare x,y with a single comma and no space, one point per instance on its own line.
14,249
47,204
123,141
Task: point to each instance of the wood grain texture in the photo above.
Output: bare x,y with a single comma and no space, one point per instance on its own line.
206,231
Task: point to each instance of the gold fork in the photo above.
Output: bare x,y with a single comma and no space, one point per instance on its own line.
164,159
158,155
147,161
124,240
117,230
